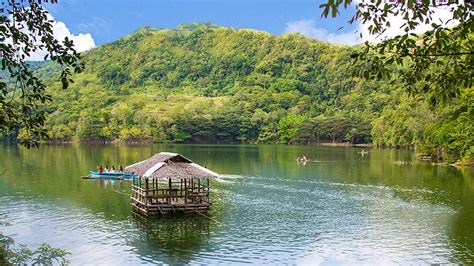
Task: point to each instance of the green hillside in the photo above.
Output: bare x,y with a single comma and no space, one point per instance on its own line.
207,84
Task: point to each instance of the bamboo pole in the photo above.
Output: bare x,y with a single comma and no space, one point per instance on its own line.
169,193
185,191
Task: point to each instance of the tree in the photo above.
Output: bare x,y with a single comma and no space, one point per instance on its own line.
453,132
447,49
25,28
122,113
89,125
335,126
289,127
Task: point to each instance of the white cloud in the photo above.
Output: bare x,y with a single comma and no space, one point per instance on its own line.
440,15
82,41
309,29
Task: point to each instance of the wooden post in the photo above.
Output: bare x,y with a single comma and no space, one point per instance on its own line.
207,190
169,193
199,190
185,191
146,191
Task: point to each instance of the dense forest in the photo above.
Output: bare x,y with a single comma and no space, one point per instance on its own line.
201,83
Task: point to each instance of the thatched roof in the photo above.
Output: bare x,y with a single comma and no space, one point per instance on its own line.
165,165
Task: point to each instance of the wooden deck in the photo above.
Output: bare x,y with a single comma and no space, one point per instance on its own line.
169,208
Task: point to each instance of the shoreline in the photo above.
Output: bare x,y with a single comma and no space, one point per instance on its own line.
343,144
326,144
425,159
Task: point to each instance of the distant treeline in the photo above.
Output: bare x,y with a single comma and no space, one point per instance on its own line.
206,84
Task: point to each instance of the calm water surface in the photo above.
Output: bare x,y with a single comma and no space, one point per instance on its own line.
338,208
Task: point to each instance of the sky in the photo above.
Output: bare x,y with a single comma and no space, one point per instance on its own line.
94,22
108,20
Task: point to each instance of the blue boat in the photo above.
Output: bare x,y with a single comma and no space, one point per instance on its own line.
108,175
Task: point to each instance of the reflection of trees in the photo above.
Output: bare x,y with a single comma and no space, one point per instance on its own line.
409,181
461,234
53,172
174,239
181,237
451,186
413,181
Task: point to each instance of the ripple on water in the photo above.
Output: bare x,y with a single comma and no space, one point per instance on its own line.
338,221
265,220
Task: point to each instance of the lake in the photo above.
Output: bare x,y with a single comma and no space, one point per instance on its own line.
341,207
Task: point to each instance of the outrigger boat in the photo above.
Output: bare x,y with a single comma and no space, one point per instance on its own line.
107,175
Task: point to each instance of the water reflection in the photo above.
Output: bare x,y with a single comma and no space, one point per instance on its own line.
462,229
338,207
175,239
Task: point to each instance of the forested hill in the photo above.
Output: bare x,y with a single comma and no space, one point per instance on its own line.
207,84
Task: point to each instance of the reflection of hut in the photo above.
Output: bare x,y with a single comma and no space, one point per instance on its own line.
169,182
172,240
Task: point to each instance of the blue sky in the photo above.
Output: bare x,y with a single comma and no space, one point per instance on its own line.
108,20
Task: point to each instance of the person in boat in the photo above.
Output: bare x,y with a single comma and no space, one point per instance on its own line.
120,169
100,169
112,170
107,168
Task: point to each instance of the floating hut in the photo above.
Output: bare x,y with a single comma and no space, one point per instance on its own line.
169,182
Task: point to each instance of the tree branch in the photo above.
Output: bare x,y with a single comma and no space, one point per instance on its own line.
435,55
